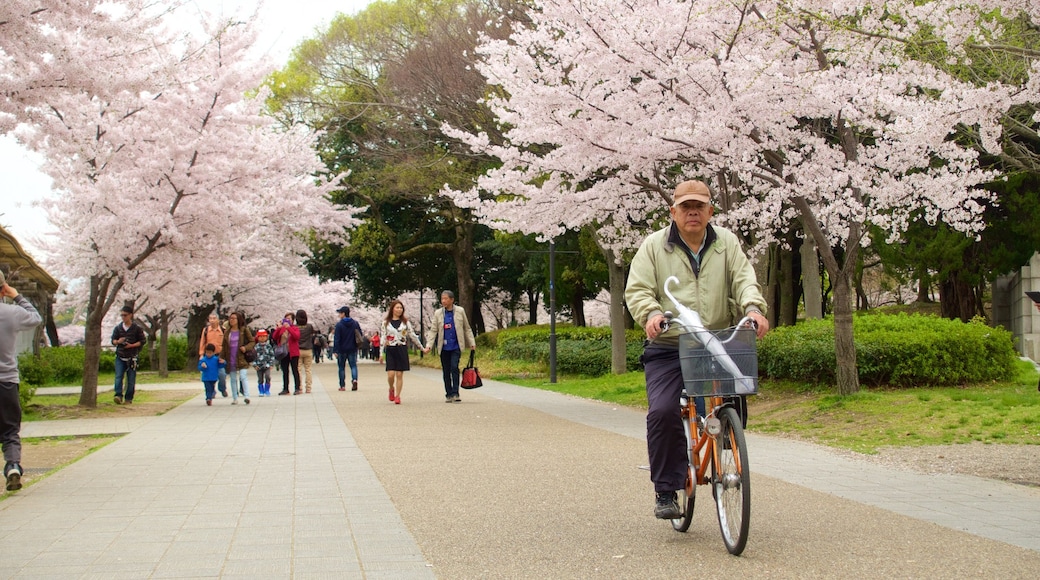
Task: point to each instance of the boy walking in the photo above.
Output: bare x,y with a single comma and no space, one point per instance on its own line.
210,365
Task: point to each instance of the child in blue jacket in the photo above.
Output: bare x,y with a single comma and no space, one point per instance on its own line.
210,365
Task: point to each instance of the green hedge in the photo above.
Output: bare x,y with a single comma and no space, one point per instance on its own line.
63,365
579,350
900,350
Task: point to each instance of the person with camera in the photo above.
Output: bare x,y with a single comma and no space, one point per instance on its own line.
128,338
14,318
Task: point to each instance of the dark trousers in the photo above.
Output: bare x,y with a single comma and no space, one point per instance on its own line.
10,422
665,437
211,389
290,362
450,370
127,368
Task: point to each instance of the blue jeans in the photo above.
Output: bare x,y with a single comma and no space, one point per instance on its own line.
239,376
450,370
127,368
211,389
342,359
222,381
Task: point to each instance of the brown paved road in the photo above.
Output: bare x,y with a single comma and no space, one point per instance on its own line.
495,490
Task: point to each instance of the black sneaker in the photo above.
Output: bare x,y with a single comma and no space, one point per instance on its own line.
667,507
13,473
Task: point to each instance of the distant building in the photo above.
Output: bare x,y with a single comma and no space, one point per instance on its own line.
1013,310
33,282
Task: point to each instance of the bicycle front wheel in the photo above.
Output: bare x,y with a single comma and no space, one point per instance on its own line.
731,482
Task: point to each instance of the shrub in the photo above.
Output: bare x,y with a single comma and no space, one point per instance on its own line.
579,350
899,350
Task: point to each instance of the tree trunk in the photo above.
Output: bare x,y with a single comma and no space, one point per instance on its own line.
957,298
840,274
534,298
844,342
787,302
164,336
771,287
52,329
923,287
151,333
103,290
578,305
462,251
197,320
812,289
618,317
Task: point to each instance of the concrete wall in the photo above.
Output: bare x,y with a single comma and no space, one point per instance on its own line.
1013,310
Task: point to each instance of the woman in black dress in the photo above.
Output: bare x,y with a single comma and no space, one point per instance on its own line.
396,331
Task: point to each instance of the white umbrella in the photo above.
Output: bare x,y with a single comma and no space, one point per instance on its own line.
743,384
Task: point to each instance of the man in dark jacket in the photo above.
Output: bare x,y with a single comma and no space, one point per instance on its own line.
344,342
128,338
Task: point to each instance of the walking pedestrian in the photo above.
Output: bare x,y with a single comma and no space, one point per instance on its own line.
17,317
263,363
396,332
237,340
345,345
209,366
288,334
450,335
128,338
307,333
213,334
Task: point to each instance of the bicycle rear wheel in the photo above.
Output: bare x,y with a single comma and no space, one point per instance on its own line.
731,482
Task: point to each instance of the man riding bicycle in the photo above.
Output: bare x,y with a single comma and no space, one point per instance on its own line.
716,280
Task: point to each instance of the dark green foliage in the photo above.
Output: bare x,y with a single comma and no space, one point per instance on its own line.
63,365
60,365
898,350
176,351
579,350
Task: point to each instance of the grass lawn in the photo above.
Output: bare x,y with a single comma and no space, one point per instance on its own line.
1004,412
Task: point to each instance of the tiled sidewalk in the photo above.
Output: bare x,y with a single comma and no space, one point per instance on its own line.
274,489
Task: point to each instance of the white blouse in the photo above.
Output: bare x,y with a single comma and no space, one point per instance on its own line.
398,336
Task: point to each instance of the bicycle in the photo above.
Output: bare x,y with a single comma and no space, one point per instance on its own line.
716,440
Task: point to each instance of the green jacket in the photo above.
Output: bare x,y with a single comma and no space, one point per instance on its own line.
724,289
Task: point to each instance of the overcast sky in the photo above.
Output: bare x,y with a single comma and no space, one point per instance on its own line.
284,22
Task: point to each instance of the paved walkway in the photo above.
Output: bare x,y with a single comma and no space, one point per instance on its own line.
280,489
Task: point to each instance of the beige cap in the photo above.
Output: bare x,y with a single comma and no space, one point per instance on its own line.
687,190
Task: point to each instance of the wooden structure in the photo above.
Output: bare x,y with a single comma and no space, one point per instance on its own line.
33,282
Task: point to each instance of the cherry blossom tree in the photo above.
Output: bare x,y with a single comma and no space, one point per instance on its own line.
800,111
151,181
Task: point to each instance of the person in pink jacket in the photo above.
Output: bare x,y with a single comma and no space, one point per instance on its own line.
289,334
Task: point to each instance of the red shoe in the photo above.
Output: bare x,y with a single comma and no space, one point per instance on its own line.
397,400
391,394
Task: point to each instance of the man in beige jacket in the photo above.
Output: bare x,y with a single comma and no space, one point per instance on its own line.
715,279
450,335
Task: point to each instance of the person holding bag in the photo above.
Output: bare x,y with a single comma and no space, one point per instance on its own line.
451,334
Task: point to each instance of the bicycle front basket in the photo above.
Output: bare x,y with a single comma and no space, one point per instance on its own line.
707,374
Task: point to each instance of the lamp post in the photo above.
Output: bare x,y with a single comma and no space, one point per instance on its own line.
552,312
